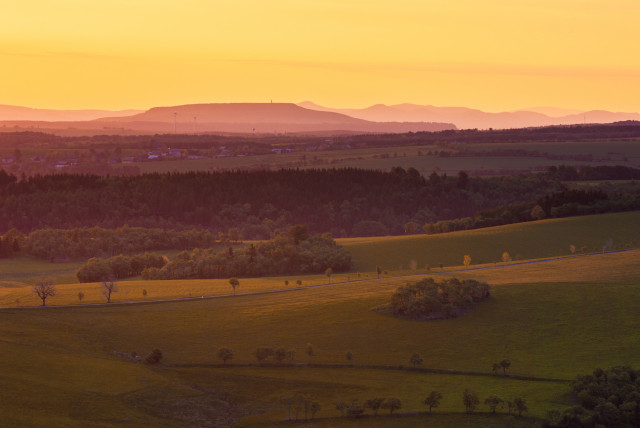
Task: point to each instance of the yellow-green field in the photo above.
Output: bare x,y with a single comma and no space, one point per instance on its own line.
534,240
546,238
552,320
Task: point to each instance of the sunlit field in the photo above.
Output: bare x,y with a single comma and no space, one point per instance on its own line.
553,320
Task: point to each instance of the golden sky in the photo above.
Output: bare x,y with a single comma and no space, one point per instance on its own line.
489,54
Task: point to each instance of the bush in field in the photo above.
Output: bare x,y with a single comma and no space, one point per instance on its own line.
154,357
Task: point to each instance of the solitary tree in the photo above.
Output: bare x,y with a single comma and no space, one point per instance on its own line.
234,283
505,364
44,289
329,273
374,404
109,286
416,359
506,257
225,354
341,406
310,351
392,404
467,260
433,400
493,402
520,405
470,400
495,368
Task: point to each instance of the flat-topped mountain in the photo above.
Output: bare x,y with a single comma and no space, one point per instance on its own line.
259,117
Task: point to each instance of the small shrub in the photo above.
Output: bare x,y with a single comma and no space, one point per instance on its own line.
154,357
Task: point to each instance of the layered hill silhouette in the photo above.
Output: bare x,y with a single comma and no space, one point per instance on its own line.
466,118
17,113
306,117
263,118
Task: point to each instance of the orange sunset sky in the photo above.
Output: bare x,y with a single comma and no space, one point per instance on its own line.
492,54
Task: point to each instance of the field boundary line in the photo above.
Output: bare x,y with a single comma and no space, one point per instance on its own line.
367,367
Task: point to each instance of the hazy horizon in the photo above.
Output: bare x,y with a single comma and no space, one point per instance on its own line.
494,56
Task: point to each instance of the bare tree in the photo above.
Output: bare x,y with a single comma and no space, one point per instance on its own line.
44,289
109,286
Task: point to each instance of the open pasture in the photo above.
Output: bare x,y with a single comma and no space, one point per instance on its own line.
539,239
384,158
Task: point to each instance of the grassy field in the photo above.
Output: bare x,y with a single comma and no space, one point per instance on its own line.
542,239
384,158
552,320
546,238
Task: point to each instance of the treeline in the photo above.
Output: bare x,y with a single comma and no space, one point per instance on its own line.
289,253
430,299
567,203
284,254
588,132
260,203
51,244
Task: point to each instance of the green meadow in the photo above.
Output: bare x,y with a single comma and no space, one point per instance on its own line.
552,320
385,158
546,238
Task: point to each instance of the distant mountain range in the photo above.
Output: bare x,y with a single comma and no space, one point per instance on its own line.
466,118
306,117
35,114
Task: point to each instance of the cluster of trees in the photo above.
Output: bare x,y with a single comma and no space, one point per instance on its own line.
609,398
288,253
51,244
430,299
119,267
